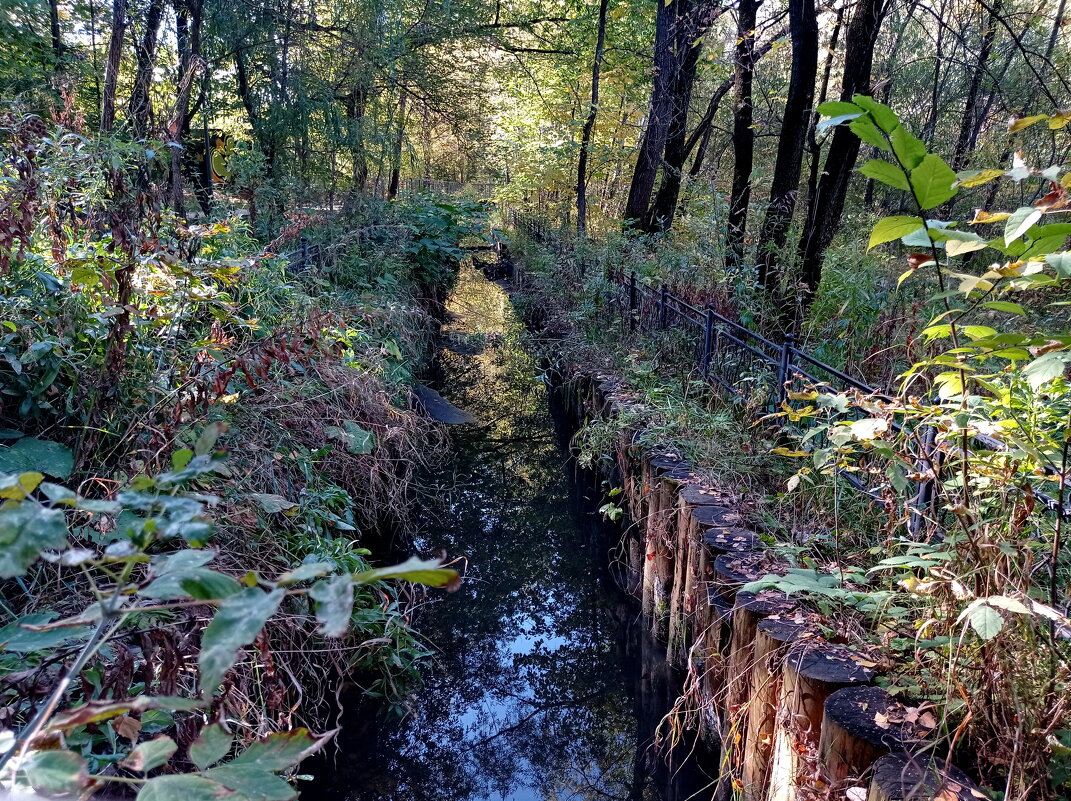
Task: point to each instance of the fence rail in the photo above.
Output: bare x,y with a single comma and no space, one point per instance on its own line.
742,361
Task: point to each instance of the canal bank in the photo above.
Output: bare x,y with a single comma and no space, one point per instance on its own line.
545,684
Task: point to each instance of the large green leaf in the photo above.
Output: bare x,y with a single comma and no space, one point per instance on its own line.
909,149
184,787
414,569
1046,367
56,772
890,228
1020,222
235,625
181,575
280,751
933,182
1061,263
251,783
884,116
26,529
211,745
150,754
888,174
37,455
865,129
334,604
355,438
16,639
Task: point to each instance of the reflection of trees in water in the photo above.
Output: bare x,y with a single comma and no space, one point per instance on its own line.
529,687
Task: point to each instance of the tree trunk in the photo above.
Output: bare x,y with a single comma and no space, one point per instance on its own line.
139,108
703,130
969,123
743,134
803,26
589,126
111,67
188,18
399,143
653,142
54,30
813,147
660,215
824,213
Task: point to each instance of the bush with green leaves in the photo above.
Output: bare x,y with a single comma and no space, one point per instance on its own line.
142,554
977,564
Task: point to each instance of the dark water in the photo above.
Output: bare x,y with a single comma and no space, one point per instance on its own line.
543,686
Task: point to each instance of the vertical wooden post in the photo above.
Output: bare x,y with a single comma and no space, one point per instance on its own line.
772,637
663,303
813,670
784,367
708,340
632,298
920,777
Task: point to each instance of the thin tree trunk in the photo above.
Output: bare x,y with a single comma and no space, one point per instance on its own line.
803,26
813,147
111,67
664,207
139,108
589,126
653,142
824,215
399,142
54,30
743,134
188,18
968,126
701,133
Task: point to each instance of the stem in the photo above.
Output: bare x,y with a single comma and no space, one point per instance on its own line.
104,630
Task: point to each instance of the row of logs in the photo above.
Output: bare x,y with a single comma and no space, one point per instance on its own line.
796,716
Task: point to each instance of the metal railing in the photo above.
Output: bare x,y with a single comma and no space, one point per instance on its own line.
744,362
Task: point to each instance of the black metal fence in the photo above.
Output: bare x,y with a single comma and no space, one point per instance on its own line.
746,363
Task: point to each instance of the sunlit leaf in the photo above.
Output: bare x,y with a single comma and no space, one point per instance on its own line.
890,228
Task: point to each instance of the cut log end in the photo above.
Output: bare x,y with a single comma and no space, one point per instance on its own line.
907,777
829,663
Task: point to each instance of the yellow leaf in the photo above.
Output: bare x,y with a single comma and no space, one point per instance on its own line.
1060,119
982,216
1026,122
983,177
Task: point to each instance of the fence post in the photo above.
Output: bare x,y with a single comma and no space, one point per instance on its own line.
662,306
925,494
632,302
304,253
784,366
708,339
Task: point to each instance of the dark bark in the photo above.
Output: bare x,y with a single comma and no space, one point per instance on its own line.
743,134
653,142
111,67
589,125
700,135
188,20
139,107
664,206
399,142
824,213
803,27
813,148
969,122
54,30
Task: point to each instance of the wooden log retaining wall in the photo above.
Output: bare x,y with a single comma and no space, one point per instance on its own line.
797,717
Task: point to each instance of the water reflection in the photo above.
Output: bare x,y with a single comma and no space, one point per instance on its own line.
543,687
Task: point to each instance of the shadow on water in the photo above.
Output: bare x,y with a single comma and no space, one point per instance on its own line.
543,686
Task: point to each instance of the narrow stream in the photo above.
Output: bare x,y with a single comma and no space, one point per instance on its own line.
543,686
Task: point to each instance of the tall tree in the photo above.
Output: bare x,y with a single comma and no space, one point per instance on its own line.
653,142
589,125
743,133
111,66
824,212
139,107
803,28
